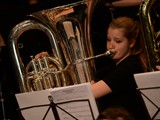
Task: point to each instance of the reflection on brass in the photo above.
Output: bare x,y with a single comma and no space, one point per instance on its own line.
68,30
149,10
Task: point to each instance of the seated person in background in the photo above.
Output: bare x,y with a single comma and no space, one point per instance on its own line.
115,85
128,8
123,3
115,113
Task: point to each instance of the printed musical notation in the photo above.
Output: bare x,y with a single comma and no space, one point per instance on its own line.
75,102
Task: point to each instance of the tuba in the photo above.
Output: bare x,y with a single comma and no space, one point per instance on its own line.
150,20
64,32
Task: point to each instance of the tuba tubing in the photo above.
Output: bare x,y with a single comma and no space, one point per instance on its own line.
150,32
68,30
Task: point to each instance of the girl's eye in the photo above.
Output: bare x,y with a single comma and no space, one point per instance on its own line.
118,41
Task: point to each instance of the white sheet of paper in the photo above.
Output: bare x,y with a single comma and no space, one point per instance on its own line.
149,84
148,79
35,98
82,107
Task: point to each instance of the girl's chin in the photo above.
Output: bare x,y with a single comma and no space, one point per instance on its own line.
116,60
113,57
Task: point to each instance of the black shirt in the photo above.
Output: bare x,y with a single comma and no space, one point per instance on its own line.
122,83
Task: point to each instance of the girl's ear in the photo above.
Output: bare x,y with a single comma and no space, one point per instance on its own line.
132,43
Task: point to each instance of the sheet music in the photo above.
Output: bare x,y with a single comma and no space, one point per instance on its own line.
35,98
77,100
144,80
79,109
149,85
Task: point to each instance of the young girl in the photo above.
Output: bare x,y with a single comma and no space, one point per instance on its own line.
116,86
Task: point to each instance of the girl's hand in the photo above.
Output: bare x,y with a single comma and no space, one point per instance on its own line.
42,54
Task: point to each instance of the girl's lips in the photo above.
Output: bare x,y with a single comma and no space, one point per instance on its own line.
113,52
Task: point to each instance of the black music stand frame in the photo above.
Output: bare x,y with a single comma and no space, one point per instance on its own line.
53,106
158,107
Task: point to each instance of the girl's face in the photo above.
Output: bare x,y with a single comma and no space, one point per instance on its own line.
117,41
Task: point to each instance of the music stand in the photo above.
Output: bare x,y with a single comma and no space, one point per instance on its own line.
52,106
71,102
149,86
33,105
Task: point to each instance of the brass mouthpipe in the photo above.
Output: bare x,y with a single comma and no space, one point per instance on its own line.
107,53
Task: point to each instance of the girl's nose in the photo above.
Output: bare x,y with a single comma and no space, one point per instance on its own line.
110,45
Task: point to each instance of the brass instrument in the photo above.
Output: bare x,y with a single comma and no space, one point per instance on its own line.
68,30
150,19
45,74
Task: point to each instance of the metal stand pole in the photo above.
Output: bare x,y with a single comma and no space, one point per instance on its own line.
53,106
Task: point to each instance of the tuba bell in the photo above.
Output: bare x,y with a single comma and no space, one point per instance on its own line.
150,20
65,33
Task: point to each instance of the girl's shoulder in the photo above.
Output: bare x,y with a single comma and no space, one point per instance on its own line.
131,59
131,63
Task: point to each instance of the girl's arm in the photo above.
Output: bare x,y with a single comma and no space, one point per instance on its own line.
100,89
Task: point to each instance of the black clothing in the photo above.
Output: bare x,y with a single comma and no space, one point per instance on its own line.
121,80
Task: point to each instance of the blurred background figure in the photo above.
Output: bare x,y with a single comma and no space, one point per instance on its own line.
32,2
115,113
